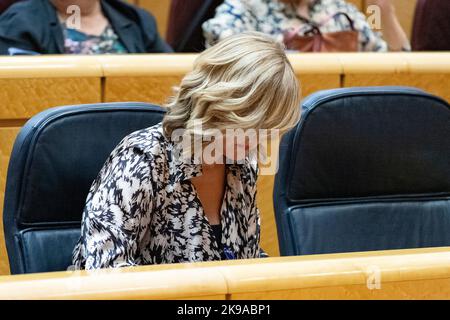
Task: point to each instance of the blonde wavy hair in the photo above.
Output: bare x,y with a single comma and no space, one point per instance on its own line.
243,82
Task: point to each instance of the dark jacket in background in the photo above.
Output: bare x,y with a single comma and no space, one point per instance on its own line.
33,25
4,4
431,30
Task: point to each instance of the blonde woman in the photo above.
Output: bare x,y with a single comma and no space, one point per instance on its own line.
275,17
152,205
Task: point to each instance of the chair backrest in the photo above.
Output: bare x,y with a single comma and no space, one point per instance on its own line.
184,31
365,169
55,159
431,28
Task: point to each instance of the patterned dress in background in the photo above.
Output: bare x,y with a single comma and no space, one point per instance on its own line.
275,18
77,42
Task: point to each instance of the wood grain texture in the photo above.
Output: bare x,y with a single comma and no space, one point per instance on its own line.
183,283
312,83
399,275
49,66
435,289
146,65
269,234
23,98
402,274
434,83
146,89
7,138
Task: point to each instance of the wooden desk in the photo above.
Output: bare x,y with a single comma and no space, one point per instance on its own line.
401,274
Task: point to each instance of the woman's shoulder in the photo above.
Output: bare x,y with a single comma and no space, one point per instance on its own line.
26,10
149,141
138,154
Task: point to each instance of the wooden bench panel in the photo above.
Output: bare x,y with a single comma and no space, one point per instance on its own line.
402,274
397,274
7,138
430,72
184,282
23,98
145,89
32,84
435,289
142,77
433,83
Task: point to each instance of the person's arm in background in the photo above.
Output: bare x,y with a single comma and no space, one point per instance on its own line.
18,32
393,32
369,39
232,17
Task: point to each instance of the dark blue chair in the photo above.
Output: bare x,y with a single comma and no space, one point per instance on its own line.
56,157
366,169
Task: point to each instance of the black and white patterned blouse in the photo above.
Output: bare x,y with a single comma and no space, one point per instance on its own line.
142,209
273,17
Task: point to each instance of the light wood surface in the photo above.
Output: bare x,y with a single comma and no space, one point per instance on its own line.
404,274
49,66
32,84
428,71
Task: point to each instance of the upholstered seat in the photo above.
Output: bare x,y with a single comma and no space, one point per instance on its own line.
366,169
55,159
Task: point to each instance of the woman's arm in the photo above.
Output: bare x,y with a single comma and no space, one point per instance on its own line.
17,31
393,32
117,212
369,40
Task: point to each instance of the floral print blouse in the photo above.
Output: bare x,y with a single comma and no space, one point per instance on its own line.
77,42
275,18
142,209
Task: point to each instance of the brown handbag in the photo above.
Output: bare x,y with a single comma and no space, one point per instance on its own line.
316,41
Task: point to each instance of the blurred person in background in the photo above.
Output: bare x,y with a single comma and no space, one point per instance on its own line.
78,27
277,17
